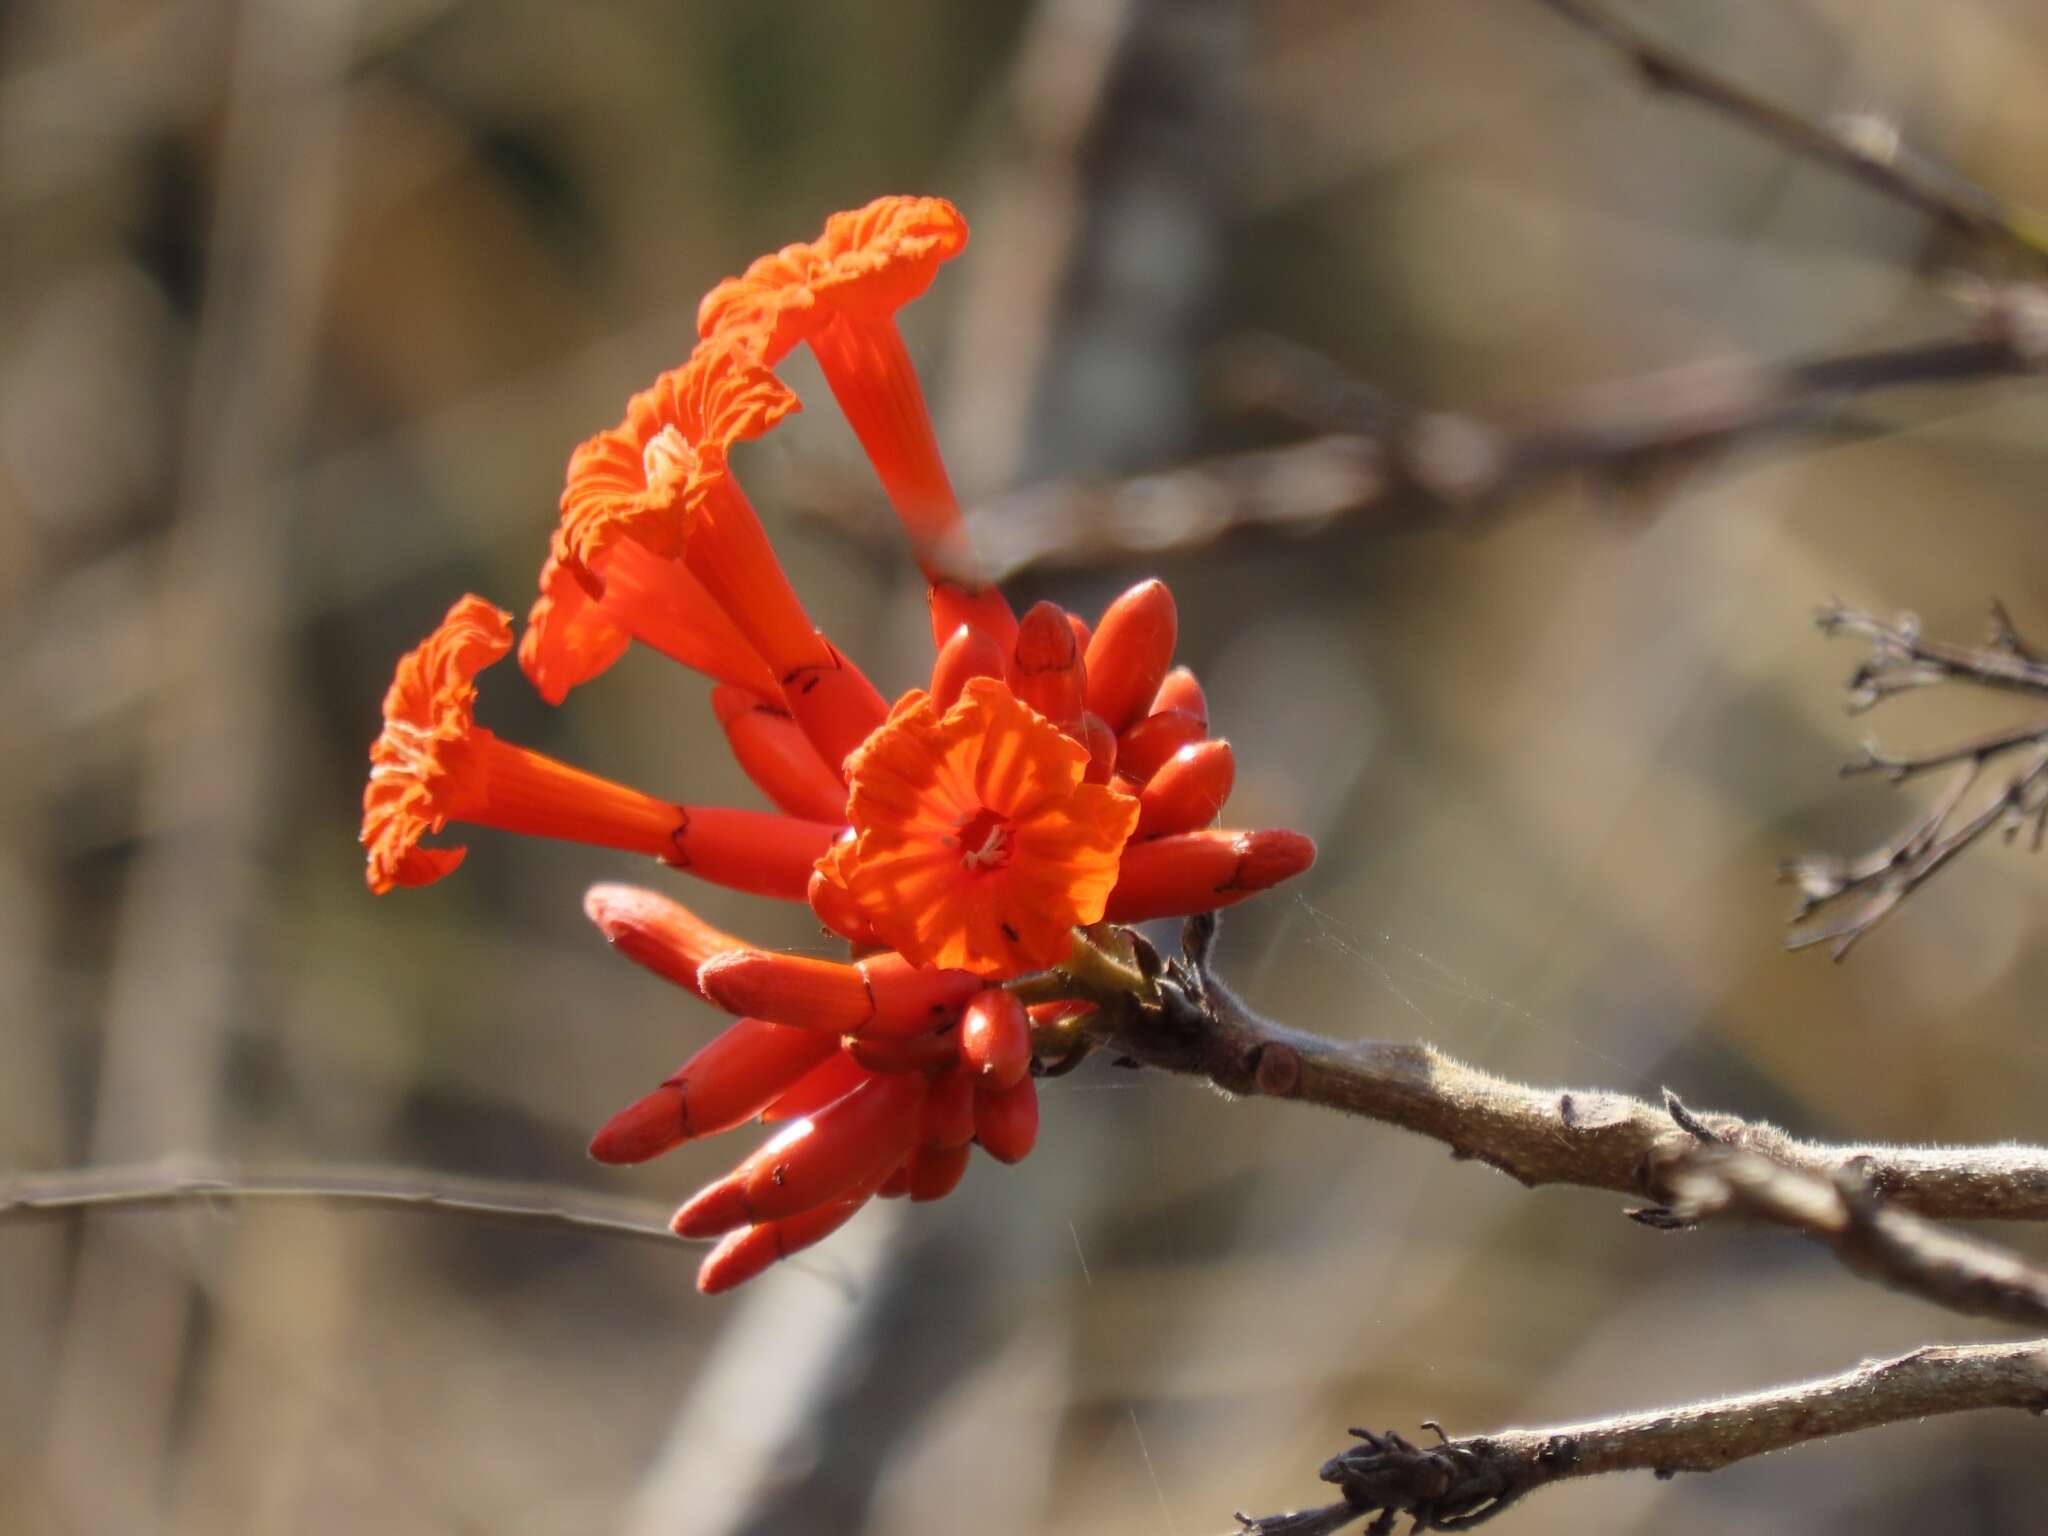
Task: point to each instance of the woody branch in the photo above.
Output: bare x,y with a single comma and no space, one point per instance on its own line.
1460,1484
1587,1137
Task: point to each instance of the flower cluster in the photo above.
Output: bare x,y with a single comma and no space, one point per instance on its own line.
1053,776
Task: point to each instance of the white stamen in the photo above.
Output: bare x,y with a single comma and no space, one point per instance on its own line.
988,853
666,457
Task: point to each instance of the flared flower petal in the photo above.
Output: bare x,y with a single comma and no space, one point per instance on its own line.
977,844
840,295
867,264
646,478
429,711
433,764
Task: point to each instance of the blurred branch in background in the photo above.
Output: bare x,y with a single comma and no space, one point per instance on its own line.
1861,146
1464,1483
155,1186
1841,900
1374,454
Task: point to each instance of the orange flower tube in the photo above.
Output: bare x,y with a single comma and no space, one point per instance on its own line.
433,765
814,1160
841,294
775,753
836,1077
884,995
662,479
653,931
741,1072
1203,871
572,636
742,1255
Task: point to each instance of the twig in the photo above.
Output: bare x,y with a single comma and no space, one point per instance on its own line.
1590,1138
1378,454
1460,1484
1854,895
1960,1273
157,1186
1859,146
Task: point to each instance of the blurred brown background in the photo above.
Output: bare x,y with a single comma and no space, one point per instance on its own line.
303,304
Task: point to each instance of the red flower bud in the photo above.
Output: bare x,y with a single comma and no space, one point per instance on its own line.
1048,672
1188,791
995,1039
936,1171
1006,1121
731,1080
742,1255
1130,652
1202,871
1144,749
967,653
813,1160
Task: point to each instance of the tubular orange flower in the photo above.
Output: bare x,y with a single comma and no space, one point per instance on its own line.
434,764
840,294
739,1074
774,752
977,845
572,635
882,996
1188,872
646,478
662,479
650,930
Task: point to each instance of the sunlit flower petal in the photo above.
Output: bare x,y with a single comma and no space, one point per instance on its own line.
977,844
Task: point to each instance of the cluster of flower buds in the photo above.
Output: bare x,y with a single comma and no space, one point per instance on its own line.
1053,776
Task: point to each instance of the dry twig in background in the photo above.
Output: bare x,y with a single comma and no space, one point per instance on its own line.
1851,896
158,1186
1859,146
1460,1484
1379,455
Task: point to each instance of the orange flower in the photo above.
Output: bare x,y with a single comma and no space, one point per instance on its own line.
647,478
572,636
977,844
661,479
840,294
434,764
